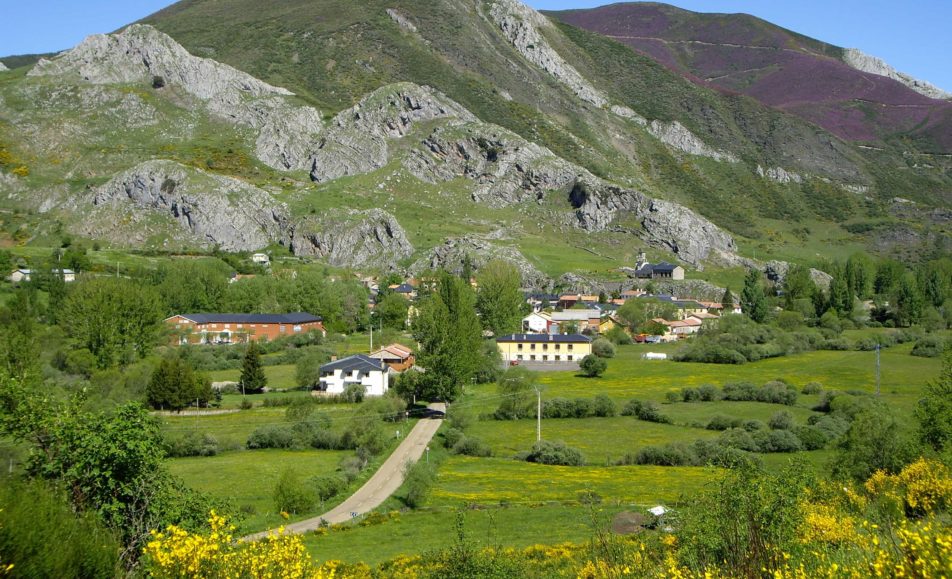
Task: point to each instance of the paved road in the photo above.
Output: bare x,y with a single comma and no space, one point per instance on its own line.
382,484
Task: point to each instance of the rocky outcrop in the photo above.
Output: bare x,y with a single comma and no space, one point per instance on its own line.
351,238
521,25
356,140
867,63
142,54
401,20
779,175
3,67
627,113
209,209
455,252
685,233
506,168
776,271
678,137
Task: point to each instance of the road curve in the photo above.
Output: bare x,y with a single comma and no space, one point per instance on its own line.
381,485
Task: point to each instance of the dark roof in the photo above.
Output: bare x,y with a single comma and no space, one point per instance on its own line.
574,338
359,362
664,267
292,318
404,288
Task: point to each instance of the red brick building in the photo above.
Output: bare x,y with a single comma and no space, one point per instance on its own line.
239,328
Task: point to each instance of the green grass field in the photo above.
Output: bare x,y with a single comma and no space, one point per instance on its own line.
247,478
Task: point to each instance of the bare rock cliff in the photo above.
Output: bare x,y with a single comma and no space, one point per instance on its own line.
208,209
455,252
867,63
351,238
142,54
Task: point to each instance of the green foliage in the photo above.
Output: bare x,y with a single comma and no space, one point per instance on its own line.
648,411
727,301
752,299
875,441
781,420
307,373
115,319
557,452
516,388
639,311
934,410
252,373
188,286
593,366
499,301
41,535
603,348
746,521
618,336
175,385
392,311
293,495
450,338
909,303
418,479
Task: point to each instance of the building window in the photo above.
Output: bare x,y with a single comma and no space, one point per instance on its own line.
519,357
532,357
557,347
532,347
570,347
545,347
241,326
519,347
569,357
282,328
557,357
297,328
545,358
227,326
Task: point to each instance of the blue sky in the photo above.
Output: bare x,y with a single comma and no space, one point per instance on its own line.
914,37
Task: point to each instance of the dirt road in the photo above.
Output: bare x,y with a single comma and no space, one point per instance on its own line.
381,485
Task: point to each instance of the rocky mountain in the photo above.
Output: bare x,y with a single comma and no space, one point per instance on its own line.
454,130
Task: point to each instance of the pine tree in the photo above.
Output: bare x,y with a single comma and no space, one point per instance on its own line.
752,299
252,373
175,385
727,301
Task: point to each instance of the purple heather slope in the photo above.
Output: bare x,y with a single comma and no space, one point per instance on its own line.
743,54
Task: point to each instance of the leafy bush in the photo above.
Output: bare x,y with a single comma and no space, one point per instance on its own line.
740,439
647,411
709,393
272,436
603,406
618,336
721,422
781,420
812,388
328,487
777,441
555,453
470,446
690,394
593,366
191,444
292,495
603,348
811,437
354,393
775,392
929,347
419,479
753,425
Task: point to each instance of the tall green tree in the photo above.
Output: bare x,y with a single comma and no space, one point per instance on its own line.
392,311
450,335
499,300
909,301
191,286
841,299
727,301
175,385
252,372
637,312
860,275
114,318
935,409
797,285
752,299
888,276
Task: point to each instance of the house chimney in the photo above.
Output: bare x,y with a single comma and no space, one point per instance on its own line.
333,358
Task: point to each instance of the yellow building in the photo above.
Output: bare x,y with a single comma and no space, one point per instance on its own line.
516,348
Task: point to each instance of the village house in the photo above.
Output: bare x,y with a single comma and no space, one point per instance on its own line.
24,275
397,357
261,259
371,373
537,322
239,328
663,270
581,319
404,289
516,348
541,301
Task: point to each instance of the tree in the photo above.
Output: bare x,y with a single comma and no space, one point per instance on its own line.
888,275
874,441
934,411
308,369
499,301
752,299
841,299
797,285
727,301
635,312
517,392
603,348
113,318
908,301
252,373
175,385
192,286
449,334
392,310
593,366
860,275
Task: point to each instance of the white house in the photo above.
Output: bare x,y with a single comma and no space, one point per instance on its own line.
373,374
261,258
583,319
537,322
24,275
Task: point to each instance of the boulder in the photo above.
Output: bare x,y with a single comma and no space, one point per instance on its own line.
454,252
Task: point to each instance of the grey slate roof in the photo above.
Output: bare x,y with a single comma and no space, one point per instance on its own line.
553,338
292,318
360,362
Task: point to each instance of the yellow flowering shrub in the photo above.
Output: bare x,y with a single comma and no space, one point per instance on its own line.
922,487
178,553
825,524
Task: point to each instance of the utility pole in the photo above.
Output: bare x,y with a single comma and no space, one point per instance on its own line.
877,369
371,334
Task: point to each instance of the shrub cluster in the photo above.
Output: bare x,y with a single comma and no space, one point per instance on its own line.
554,453
599,406
458,443
647,411
929,347
774,392
190,444
703,393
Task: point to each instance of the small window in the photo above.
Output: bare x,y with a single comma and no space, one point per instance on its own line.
241,326
557,347
532,347
545,347
532,357
519,357
570,347
282,328
557,357
519,347
297,328
569,357
545,358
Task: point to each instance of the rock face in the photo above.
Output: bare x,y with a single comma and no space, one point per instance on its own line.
779,175
356,140
867,63
776,271
209,209
3,67
521,24
350,238
455,252
142,54
401,20
678,137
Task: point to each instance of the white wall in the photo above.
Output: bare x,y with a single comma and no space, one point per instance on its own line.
376,383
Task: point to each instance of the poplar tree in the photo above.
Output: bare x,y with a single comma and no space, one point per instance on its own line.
252,373
752,299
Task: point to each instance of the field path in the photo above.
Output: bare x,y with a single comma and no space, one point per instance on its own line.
382,484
